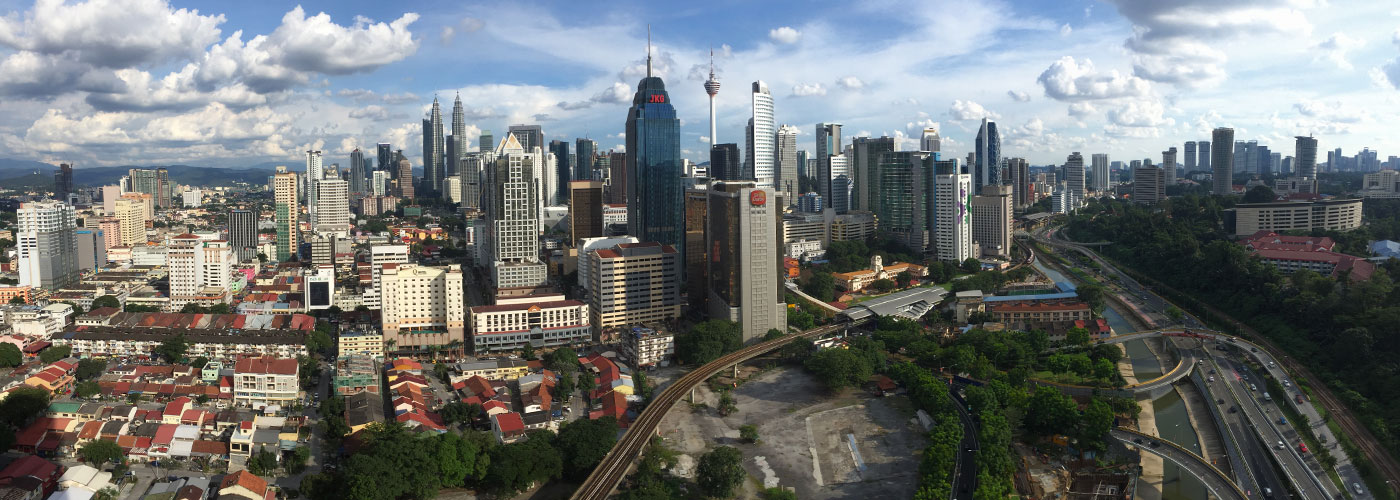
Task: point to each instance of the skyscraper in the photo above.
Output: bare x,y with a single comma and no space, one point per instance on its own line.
744,235
433,154
200,270
1149,184
988,157
1305,156
653,160
92,249
828,144
1203,155
487,142
131,217
841,183
47,245
459,135
712,88
866,153
385,159
285,199
930,141
584,151
724,162
315,166
62,182
1074,178
530,136
357,172
332,214
1020,181
952,224
155,182
585,211
905,203
512,229
1168,167
1189,159
564,170
1222,159
991,221
1098,165
243,233
786,163
758,146
404,178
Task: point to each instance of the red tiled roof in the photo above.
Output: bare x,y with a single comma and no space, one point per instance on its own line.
266,365
1038,306
509,422
245,479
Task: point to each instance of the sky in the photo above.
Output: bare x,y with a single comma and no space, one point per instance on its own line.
231,84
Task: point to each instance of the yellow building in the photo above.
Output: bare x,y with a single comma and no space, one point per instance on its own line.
361,343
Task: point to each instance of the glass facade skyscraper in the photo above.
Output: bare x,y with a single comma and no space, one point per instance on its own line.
654,190
987,169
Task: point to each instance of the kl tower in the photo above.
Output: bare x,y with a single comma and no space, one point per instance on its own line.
712,88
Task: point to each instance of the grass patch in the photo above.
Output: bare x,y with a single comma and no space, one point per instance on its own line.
1070,378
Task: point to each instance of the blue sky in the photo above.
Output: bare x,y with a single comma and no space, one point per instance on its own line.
232,84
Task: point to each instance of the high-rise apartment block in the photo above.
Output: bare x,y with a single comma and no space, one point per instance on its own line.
991,221
952,235
1099,172
866,155
634,284
46,244
1222,160
744,237
380,257
1074,178
63,182
1021,194
200,271
243,233
155,182
1149,185
288,213
92,249
1189,159
1203,155
585,210
1169,167
788,183
131,217
332,203
1305,156
828,144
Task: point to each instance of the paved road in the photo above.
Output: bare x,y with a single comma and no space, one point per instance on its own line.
1257,472
965,479
609,473
1216,481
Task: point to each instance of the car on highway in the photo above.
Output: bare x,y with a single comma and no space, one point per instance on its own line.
1280,445
1303,447
1220,401
1282,421
1254,349
1252,388
1286,383
1356,487
1210,379
1137,440
1155,444
1233,409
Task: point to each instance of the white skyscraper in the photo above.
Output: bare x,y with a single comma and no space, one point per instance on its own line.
1169,167
199,270
314,167
332,208
930,141
1100,171
841,182
953,224
511,199
744,224
379,256
758,163
379,182
47,244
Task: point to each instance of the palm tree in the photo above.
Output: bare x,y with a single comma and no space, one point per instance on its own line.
389,346
455,347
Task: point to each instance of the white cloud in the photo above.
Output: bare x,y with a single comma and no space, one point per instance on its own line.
1081,109
850,83
1065,30
1139,113
1335,48
1176,41
784,35
617,93
808,89
371,112
1071,80
111,33
1019,95
466,25
968,110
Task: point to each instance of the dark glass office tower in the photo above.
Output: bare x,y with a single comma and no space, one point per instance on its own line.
724,162
385,153
563,169
357,172
584,150
987,169
654,190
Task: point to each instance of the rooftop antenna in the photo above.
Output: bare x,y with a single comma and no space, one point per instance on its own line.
648,51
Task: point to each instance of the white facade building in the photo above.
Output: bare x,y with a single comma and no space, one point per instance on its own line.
332,207
953,224
544,322
1074,177
513,208
380,256
1099,170
744,235
47,244
762,132
421,306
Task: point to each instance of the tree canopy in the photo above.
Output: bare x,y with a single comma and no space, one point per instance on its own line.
708,340
720,471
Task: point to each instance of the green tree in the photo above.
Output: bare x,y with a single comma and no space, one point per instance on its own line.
562,361
319,342
839,368
90,368
55,353
296,461
821,285
1091,294
971,265
1049,412
106,301
1077,336
17,300
904,279
882,286
393,463
10,356
800,320
773,333
199,362
708,340
460,413
461,460
528,352
1095,423
517,466
777,493
1259,194
262,463
100,451
584,443
720,471
86,388
748,433
173,349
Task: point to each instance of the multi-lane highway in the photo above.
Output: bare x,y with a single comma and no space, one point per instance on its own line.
606,476
965,475
1257,473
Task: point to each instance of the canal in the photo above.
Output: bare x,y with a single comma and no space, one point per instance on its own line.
1170,411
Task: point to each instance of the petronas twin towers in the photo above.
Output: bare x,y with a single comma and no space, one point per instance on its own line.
440,161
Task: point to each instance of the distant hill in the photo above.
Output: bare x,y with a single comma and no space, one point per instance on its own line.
20,174
42,181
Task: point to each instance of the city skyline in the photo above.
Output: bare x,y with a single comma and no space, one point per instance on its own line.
1109,77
